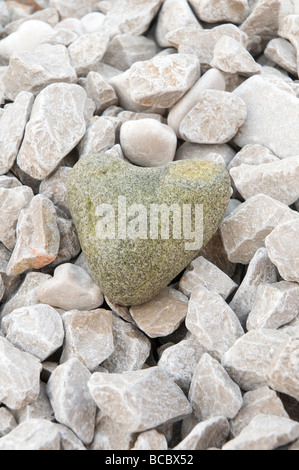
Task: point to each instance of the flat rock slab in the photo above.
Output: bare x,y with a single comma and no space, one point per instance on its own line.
140,399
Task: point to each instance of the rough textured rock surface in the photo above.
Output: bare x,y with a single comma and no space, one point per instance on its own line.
209,433
127,288
208,123
167,401
55,127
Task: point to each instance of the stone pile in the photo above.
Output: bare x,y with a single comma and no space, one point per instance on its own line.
212,360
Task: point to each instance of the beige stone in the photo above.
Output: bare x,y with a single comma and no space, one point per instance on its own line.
262,24
121,84
261,271
283,53
163,314
278,180
70,399
214,11
202,42
87,51
209,433
202,272
283,249
212,392
34,434
19,379
208,122
231,57
88,336
125,49
292,328
154,399
38,409
265,432
163,80
26,294
12,127
253,155
157,146
71,288
263,400
131,347
99,91
119,310
289,29
12,201
248,359
56,126
110,435
173,15
54,188
99,137
151,440
245,229
211,80
283,111
275,305
131,17
38,237
74,8
179,361
37,329
7,421
212,321
48,15
34,70
283,372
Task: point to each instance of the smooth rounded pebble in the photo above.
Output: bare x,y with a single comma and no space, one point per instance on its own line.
148,142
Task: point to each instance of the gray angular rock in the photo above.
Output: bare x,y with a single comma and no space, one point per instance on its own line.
212,391
56,126
151,440
212,321
12,127
34,70
263,400
283,53
265,432
37,329
7,421
76,410
248,359
12,201
87,51
34,434
283,249
125,49
88,336
141,399
74,8
163,80
214,11
38,237
26,294
19,378
212,432
131,347
99,90
278,180
208,122
54,188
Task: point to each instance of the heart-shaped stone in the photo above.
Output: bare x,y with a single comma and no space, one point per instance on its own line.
140,227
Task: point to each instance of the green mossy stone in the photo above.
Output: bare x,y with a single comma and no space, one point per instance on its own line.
132,271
